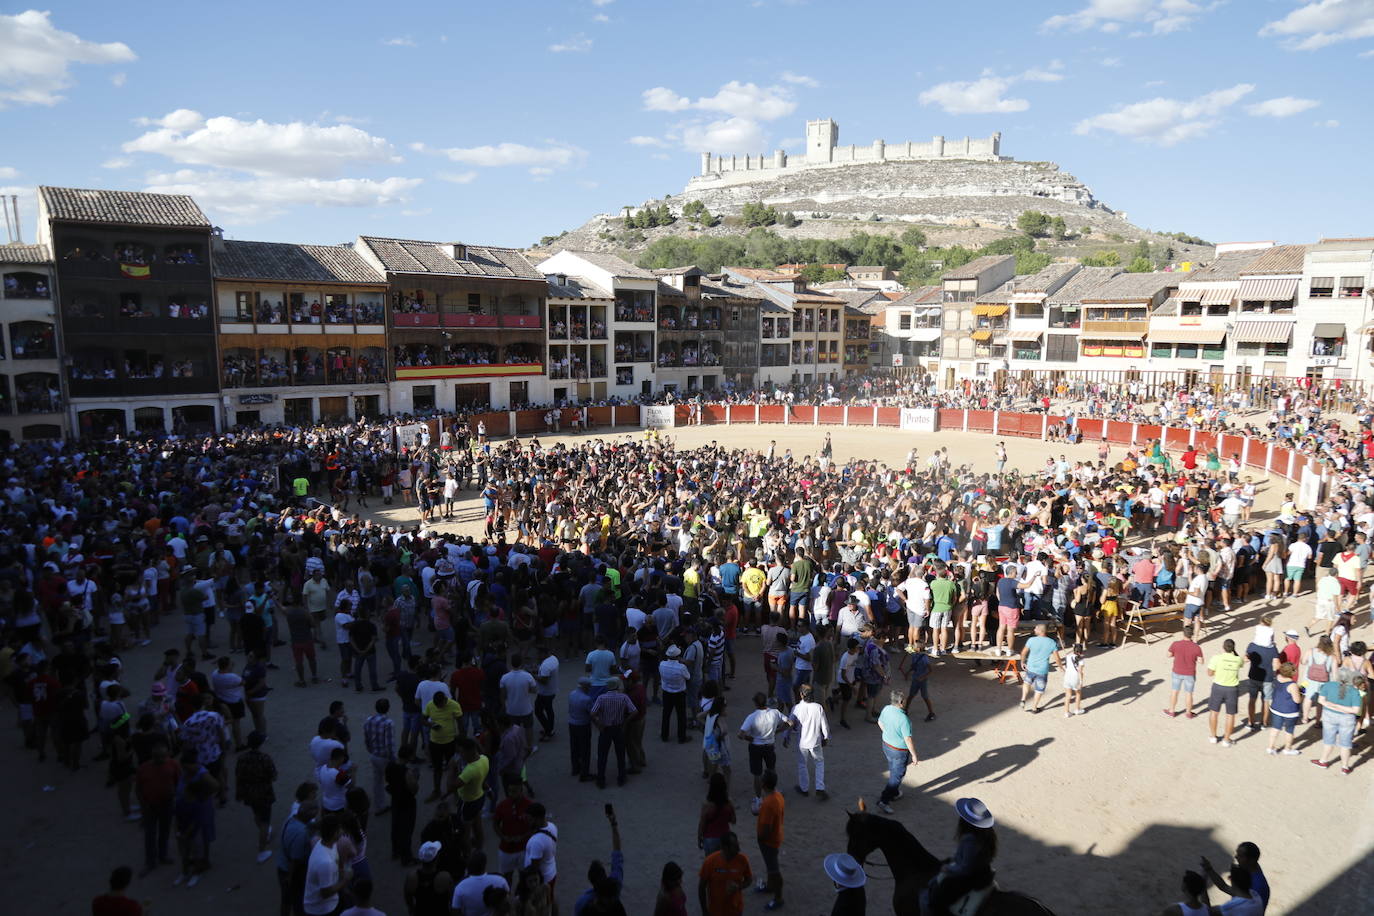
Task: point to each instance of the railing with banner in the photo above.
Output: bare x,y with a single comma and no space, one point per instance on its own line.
1255,454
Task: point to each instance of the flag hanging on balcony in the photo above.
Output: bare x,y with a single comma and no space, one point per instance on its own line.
135,271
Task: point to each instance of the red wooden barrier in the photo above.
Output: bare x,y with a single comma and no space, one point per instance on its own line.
889,416
772,413
682,415
1204,442
980,421
1146,434
742,413
831,416
601,416
714,413
1231,444
863,416
498,424
1176,438
801,413
949,417
527,421
1259,452
1119,432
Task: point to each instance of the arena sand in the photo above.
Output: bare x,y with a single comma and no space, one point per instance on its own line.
1099,814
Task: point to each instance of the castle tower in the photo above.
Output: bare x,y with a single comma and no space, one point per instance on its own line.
821,138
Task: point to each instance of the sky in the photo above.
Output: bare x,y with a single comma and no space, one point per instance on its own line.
498,123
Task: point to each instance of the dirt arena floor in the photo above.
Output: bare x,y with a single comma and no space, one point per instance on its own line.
1098,814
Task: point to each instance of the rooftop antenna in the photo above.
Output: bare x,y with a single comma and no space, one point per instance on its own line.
9,228
18,229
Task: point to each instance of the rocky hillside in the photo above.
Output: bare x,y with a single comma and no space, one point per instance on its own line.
961,202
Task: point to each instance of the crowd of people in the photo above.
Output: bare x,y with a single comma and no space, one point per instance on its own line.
648,564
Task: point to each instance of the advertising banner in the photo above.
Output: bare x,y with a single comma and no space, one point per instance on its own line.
920,419
658,417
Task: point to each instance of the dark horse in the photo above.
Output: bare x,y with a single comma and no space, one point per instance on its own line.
912,867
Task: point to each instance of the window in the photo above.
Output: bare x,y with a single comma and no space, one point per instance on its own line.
1162,351
1065,317
245,305
1249,349
1214,351
1352,287
766,328
980,369
1219,309
422,397
1328,346
1185,351
1026,349
1061,348
1321,287
474,299
1276,349
1250,305
1191,308
904,321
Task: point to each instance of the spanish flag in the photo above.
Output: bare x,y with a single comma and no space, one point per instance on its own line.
135,271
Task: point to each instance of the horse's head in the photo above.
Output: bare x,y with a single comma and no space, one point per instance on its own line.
862,838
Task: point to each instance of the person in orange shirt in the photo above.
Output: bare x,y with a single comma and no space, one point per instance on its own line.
770,837
722,880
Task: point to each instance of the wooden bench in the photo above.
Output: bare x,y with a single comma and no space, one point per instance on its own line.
1004,666
1142,618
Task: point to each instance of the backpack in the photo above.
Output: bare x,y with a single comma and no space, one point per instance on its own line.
865,669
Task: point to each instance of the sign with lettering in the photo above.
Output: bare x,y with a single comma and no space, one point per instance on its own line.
920,419
658,417
265,398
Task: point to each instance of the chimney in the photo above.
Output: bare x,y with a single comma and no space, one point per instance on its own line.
456,250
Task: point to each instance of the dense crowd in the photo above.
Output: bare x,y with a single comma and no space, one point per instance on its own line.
648,563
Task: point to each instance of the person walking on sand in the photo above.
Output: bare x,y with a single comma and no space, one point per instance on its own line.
770,834
1284,710
1071,663
809,721
1225,670
1186,653
919,673
1039,652
898,747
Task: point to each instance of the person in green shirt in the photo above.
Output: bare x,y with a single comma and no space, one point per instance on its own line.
467,779
1225,670
942,594
444,717
799,597
301,488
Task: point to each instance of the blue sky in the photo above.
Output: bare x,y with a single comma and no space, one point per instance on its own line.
499,123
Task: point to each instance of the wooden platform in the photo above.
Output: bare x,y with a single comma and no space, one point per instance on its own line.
1140,619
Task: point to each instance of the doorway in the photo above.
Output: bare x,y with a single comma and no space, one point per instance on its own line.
334,408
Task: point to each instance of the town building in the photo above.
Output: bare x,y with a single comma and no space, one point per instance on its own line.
1333,311
968,327
1116,319
135,291
1023,343
1268,295
302,333
31,400
816,324
633,316
740,309
908,331
465,323
579,340
691,333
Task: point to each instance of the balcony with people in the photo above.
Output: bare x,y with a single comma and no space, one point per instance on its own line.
239,368
634,305
340,367
308,366
670,356
103,371
634,346
522,353
670,318
558,322
24,284
38,392
857,329
710,318
33,340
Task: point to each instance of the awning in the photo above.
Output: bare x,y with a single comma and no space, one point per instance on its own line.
933,309
1024,335
1113,335
1208,292
1187,335
1328,329
926,334
981,335
1275,332
990,311
1268,289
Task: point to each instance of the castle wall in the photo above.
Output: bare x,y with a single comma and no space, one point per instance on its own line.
721,168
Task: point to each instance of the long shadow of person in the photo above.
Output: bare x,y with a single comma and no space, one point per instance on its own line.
992,766
1125,689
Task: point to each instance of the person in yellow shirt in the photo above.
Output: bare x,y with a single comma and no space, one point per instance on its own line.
467,779
444,717
752,583
1225,669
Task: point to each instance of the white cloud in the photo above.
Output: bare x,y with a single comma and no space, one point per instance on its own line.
601,17
180,120
1326,22
502,154
541,172
725,135
257,199
405,42
118,80
1282,107
7,172
458,177
1110,62
797,79
647,141
1162,16
1165,122
589,185
118,162
1331,122
602,2
576,44
264,148
35,57
742,100
1150,84
986,94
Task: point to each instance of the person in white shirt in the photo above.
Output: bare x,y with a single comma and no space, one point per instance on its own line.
1299,553
1196,599
547,678
760,729
518,689
916,594
467,895
809,721
324,877
542,846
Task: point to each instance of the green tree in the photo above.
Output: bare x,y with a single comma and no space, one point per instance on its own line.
1033,222
912,238
1058,228
1102,259
1013,245
754,213
1028,262
1139,265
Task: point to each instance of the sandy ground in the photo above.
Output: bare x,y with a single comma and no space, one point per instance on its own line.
1096,814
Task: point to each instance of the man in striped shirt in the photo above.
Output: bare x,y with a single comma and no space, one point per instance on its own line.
609,714
379,735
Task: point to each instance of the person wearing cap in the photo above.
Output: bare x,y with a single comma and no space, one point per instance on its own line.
849,879
673,675
428,890
971,866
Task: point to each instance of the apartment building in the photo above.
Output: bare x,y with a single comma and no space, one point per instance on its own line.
465,323
135,291
633,316
31,400
740,321
1263,337
1116,319
578,340
909,329
302,333
691,333
968,324
1332,330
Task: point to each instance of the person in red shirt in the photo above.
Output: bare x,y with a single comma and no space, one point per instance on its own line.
1186,654
115,902
730,614
42,690
465,685
1291,651
156,784
513,828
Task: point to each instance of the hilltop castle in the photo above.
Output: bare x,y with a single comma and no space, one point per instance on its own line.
823,151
